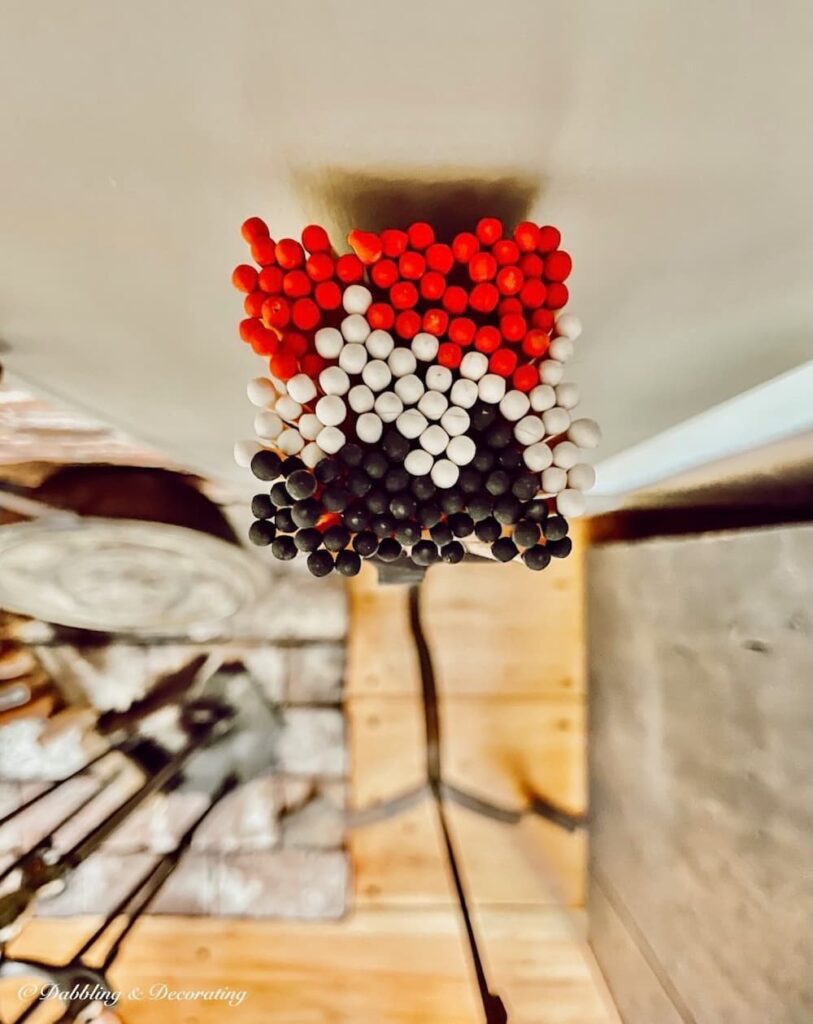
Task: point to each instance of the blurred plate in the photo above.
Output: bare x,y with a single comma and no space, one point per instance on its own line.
122,575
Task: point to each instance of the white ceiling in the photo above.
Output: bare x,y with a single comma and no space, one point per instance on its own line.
670,141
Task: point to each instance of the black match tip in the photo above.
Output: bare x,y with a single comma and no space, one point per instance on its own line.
526,533
301,484
555,527
560,548
348,563
536,558
261,533
284,549
262,507
308,539
365,543
306,513
266,465
280,497
292,465
504,549
453,552
320,563
336,538
389,550
424,553
284,521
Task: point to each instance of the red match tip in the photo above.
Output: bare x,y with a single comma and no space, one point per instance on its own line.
489,230
503,362
290,254
505,252
384,273
253,303
462,330
244,278
276,312
510,280
531,265
450,355
484,297
407,324
533,294
433,285
394,242
435,321
270,280
558,266
319,266
264,342
455,299
315,239
464,246
421,235
254,228
509,306
293,341
543,320
404,295
296,284
526,235
349,268
536,343
411,265
306,314
548,239
312,364
482,267
247,328
513,327
283,365
440,257
488,339
557,295
263,251
381,316
328,295
366,245
328,519
526,378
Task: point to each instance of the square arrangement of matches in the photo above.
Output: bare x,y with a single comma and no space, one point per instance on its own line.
415,395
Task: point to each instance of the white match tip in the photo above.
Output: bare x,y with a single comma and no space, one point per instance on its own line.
425,346
571,504
331,440
379,344
585,433
357,298
328,342
355,328
353,358
268,425
301,388
244,452
537,457
261,392
290,442
581,477
331,411
445,473
568,326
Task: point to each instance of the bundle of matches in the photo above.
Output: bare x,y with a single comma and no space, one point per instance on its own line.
415,396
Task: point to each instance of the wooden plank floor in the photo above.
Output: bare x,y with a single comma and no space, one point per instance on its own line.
508,648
